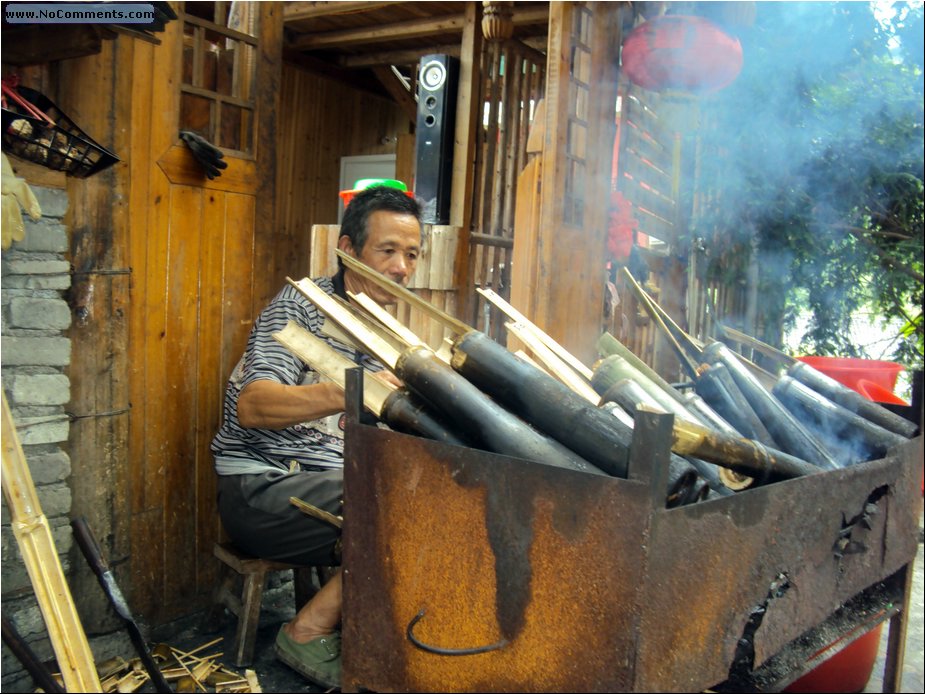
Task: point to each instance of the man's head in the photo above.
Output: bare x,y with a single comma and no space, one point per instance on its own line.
382,228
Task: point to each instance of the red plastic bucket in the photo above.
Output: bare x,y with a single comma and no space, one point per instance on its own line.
876,392
847,671
849,370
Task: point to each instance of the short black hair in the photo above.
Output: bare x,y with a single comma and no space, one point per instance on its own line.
355,224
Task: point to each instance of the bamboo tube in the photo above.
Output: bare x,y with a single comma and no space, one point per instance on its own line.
552,362
396,407
868,440
544,402
478,417
783,426
851,400
33,534
742,455
829,387
716,385
518,318
608,345
615,368
630,395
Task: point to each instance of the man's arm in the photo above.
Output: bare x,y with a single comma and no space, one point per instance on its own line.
271,405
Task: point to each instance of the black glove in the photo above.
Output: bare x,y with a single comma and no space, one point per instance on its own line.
209,156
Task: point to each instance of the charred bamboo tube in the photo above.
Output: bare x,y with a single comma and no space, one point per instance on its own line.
867,439
395,406
608,345
629,395
790,435
851,400
544,402
742,455
715,384
481,418
615,368
830,388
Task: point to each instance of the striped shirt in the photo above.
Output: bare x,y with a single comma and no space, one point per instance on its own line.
314,445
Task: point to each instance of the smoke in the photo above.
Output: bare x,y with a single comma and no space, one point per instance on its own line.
825,114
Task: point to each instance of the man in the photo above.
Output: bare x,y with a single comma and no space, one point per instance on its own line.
282,433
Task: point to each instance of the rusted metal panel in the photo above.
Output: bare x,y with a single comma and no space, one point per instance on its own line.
563,581
789,553
492,549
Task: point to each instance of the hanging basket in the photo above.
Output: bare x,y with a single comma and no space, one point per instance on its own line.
55,142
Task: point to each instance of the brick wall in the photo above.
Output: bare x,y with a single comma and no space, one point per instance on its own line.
35,354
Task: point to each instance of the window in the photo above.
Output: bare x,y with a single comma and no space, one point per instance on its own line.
219,62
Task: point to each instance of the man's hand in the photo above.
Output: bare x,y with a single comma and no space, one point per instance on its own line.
209,156
388,378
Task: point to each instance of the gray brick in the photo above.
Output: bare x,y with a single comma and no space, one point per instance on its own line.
40,389
37,351
44,235
53,201
39,313
37,266
55,500
37,282
37,430
50,467
29,621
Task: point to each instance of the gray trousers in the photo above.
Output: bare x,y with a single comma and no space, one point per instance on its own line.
258,517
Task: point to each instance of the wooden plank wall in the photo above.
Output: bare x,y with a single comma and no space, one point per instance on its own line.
580,104
320,121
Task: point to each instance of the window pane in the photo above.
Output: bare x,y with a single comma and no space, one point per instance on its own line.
237,128
196,114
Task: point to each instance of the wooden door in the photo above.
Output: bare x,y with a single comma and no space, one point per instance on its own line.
197,250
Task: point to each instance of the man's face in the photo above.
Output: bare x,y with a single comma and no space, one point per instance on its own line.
392,247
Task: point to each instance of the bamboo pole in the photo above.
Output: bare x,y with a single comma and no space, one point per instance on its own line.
33,534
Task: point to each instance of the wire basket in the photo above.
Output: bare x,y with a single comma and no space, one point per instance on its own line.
62,146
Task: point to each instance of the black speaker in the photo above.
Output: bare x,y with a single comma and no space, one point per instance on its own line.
438,82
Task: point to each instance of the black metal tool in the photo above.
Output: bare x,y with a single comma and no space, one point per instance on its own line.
91,551
18,646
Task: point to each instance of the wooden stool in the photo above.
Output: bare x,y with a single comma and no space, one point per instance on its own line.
246,608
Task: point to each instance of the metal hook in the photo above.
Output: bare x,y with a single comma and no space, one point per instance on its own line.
449,651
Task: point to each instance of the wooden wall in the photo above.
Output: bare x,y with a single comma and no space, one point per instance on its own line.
321,120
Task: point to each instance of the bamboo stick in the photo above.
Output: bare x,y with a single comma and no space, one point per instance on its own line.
518,317
552,363
33,534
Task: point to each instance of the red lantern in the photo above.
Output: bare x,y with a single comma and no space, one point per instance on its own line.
681,52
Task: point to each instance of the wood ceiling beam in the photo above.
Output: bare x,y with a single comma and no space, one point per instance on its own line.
397,57
397,89
295,11
402,30
413,29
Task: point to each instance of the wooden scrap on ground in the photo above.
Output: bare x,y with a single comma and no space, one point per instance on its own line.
190,672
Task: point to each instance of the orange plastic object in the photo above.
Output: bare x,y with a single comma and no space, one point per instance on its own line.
849,370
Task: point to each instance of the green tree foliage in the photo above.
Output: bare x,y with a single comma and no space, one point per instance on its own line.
818,151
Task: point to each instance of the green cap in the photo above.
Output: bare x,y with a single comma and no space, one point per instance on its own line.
365,183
